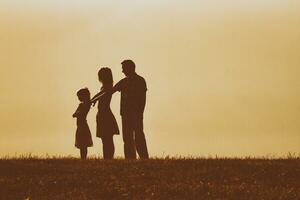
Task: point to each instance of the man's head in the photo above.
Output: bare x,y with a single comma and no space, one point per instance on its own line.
128,67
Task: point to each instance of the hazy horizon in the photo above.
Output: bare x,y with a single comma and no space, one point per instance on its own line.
222,76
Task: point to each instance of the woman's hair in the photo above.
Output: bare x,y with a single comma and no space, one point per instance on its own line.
84,94
105,76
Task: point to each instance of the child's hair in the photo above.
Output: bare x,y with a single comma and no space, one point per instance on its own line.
84,94
105,76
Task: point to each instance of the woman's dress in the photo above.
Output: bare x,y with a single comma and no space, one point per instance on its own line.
106,122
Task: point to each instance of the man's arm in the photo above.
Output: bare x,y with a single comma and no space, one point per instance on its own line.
143,102
142,96
118,86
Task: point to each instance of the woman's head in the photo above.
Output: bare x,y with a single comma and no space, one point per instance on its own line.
105,77
84,95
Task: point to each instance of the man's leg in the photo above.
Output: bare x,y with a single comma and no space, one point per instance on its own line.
140,140
129,146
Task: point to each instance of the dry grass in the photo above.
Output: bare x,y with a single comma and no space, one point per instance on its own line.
31,177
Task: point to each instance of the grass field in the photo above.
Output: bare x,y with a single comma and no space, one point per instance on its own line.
69,178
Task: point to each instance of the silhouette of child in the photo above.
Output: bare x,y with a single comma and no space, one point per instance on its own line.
83,138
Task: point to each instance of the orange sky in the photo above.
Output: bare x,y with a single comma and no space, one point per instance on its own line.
222,75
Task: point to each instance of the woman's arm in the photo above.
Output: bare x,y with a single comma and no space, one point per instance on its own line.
114,89
97,97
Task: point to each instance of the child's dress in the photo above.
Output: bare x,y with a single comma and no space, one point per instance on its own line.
83,137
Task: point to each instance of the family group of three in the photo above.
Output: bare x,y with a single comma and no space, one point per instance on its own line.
133,99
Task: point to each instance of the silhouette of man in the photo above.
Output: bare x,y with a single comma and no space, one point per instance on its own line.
133,100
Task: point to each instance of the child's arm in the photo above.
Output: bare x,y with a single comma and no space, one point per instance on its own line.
77,112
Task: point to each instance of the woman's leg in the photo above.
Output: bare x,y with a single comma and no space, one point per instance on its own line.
104,147
111,147
83,152
108,147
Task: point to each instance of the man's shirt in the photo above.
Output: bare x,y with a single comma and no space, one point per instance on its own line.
133,94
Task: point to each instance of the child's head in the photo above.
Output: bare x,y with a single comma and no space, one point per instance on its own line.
84,95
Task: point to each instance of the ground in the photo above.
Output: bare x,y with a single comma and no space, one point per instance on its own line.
70,178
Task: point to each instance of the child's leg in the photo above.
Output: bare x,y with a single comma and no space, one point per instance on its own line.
83,152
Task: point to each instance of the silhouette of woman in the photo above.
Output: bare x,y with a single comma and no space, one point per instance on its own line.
106,122
83,137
